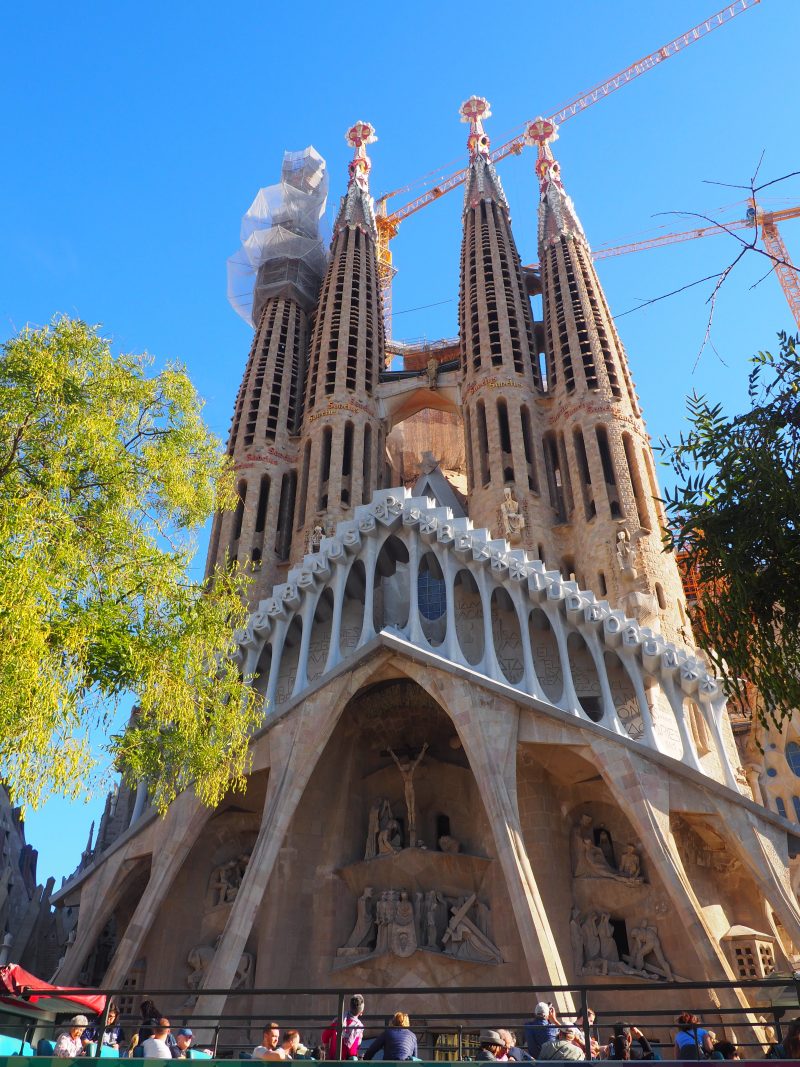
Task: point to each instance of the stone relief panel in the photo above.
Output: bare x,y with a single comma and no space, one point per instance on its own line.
223,885
397,922
594,856
200,958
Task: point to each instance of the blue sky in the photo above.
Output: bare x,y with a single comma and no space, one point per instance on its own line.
137,135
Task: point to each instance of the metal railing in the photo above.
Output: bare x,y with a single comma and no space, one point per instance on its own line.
454,1035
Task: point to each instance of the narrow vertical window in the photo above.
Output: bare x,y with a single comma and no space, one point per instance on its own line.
483,443
301,511
527,444
263,500
636,482
583,472
347,462
609,476
241,489
283,535
324,469
505,441
366,467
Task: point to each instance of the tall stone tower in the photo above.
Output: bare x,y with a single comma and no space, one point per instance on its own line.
342,440
281,231
501,375
599,465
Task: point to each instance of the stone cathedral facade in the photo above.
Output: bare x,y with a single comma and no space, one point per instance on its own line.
489,754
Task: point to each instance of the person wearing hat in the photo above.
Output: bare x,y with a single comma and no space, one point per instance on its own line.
492,1046
183,1042
69,1044
542,1028
566,1046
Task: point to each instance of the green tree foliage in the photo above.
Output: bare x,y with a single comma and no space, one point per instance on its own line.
735,512
106,473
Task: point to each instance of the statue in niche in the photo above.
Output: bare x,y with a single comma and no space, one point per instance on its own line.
389,840
432,370
645,942
605,931
362,938
315,539
403,928
594,949
407,769
384,915
513,519
225,880
589,860
449,844
605,846
464,940
433,909
624,553
630,864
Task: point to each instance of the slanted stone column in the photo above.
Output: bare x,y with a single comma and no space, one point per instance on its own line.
487,726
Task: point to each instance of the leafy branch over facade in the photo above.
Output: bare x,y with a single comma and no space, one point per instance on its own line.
735,514
106,473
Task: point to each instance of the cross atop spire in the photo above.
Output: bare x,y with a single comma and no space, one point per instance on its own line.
358,137
474,111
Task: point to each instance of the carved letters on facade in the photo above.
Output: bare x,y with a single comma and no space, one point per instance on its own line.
397,925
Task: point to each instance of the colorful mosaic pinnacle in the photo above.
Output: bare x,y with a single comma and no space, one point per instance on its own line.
474,111
358,137
540,134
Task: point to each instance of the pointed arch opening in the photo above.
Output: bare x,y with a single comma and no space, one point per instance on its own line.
544,651
469,617
506,636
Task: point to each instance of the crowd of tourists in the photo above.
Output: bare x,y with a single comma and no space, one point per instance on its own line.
545,1037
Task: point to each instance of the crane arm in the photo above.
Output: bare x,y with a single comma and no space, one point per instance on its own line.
578,104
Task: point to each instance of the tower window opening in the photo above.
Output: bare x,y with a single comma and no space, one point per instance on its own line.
238,517
602,588
325,469
366,467
255,558
781,806
527,444
347,463
505,441
555,479
589,507
662,600
636,481
793,757
483,443
609,476
283,535
301,511
468,448
263,500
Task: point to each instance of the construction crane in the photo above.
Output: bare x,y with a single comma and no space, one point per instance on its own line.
756,216
388,224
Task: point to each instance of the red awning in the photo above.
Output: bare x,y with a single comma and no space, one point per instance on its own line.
21,983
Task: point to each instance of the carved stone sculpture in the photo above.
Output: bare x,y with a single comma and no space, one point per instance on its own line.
407,769
513,519
591,860
400,926
449,844
463,940
624,554
200,958
645,942
630,864
432,370
389,840
362,938
223,885
316,538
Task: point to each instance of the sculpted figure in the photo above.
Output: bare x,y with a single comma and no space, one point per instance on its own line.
624,551
316,538
449,844
403,930
630,865
576,940
463,940
373,827
513,519
432,370
389,838
608,946
645,942
407,768
363,933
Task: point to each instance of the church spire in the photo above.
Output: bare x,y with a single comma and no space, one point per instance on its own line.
599,466
501,376
341,439
357,207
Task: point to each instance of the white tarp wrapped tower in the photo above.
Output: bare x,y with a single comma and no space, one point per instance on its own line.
284,247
